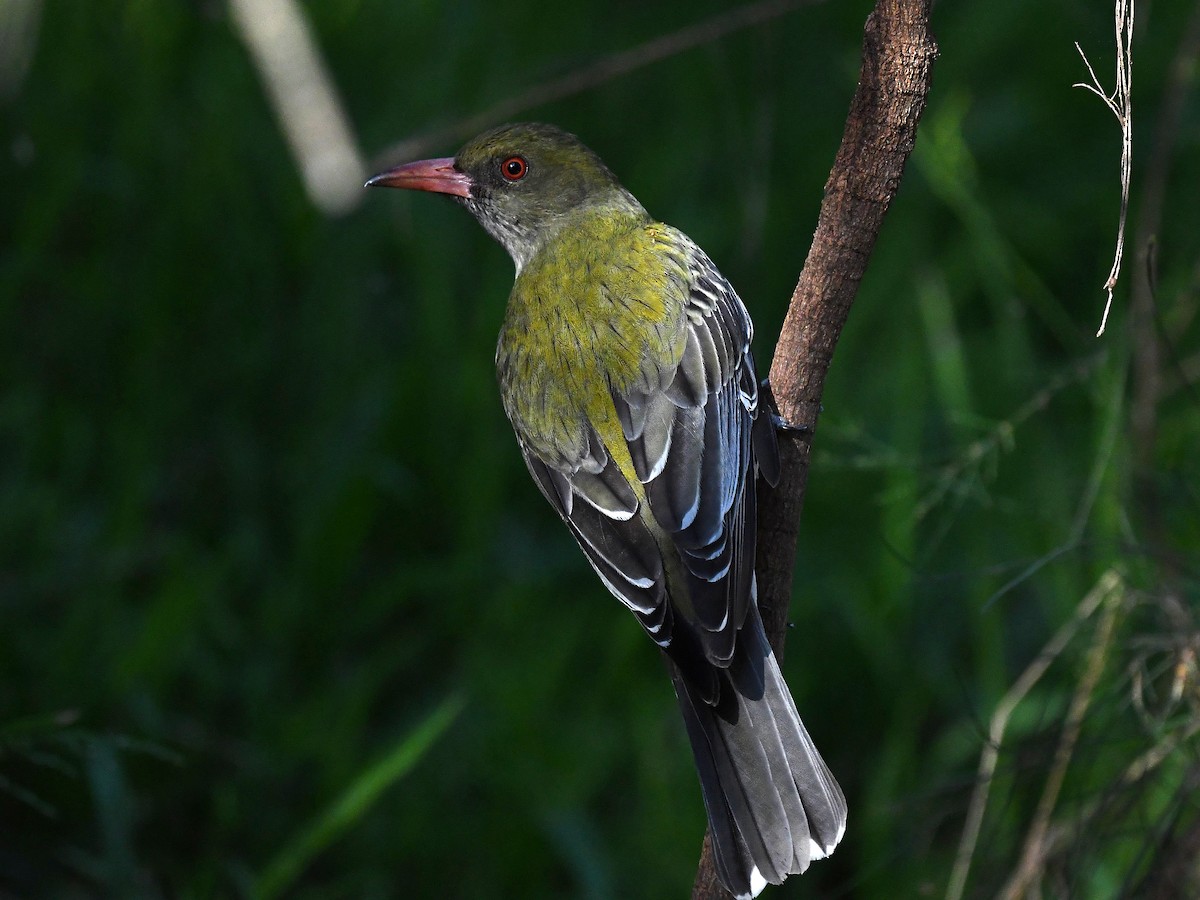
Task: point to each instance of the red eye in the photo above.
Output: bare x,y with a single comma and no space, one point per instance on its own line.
514,168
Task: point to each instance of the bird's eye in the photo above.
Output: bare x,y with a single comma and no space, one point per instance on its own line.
514,168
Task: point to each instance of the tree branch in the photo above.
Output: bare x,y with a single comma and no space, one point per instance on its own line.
898,55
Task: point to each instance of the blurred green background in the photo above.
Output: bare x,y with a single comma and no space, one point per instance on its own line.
282,614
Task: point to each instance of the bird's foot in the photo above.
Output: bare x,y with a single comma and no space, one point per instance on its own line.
783,426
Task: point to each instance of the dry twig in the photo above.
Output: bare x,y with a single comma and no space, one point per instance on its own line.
1120,101
1106,587
594,74
1036,849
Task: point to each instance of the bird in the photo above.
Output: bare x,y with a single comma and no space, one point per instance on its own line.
625,369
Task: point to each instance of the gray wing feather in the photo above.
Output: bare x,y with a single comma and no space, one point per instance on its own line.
689,433
696,459
619,546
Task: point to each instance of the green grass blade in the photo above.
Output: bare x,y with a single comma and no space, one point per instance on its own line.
355,801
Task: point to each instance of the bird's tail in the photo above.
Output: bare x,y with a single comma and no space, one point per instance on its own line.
772,804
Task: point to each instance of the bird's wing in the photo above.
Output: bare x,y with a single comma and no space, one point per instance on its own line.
600,509
691,434
693,445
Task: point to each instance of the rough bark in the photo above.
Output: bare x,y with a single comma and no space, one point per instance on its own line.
898,55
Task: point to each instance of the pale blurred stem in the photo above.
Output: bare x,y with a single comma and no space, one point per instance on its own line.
881,128
1105,588
1036,850
1060,834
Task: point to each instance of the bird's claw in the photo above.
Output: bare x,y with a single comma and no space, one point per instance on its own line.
781,424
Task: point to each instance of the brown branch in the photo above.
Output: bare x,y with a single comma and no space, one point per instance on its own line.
898,55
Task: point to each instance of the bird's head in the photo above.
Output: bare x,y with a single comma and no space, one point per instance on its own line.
522,182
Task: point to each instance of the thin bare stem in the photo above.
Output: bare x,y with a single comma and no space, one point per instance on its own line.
1109,583
999,436
1120,102
1035,851
594,74
1062,832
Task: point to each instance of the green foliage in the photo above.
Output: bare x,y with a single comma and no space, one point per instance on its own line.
260,511
353,803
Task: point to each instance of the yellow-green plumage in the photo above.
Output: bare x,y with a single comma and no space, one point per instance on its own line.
599,309
625,368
